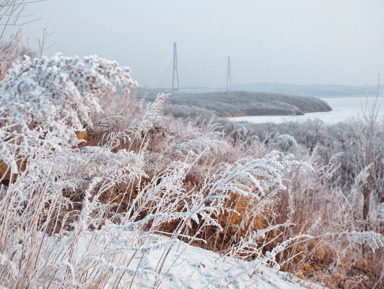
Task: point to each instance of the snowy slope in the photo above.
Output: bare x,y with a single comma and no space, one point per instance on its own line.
185,266
192,267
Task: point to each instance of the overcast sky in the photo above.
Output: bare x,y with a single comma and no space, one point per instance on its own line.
290,41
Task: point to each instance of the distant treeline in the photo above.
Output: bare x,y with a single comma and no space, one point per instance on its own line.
318,90
239,103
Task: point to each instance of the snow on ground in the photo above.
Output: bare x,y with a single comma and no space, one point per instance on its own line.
185,266
192,267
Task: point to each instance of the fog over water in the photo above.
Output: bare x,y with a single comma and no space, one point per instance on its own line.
297,41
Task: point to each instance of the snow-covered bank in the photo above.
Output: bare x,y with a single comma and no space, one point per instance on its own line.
170,263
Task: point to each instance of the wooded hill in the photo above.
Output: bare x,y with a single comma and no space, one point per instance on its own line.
239,103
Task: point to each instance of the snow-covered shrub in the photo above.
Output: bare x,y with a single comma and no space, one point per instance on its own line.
44,102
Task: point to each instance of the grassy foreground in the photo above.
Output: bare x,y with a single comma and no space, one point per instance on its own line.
110,210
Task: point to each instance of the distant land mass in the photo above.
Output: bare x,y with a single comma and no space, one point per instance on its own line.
241,103
316,90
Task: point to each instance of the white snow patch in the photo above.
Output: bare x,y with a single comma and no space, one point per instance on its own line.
185,266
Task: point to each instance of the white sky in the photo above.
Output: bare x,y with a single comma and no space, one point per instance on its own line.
291,41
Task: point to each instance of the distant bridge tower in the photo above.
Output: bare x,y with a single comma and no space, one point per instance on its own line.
175,75
229,80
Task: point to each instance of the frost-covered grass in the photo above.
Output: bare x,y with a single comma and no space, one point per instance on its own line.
115,209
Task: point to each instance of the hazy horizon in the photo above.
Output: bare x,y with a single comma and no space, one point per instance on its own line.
297,42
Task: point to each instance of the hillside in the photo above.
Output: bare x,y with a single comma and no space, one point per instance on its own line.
103,191
239,103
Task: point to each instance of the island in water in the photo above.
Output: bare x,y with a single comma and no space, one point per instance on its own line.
243,103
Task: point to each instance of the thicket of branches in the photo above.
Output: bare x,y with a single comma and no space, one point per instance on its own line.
94,180
12,19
